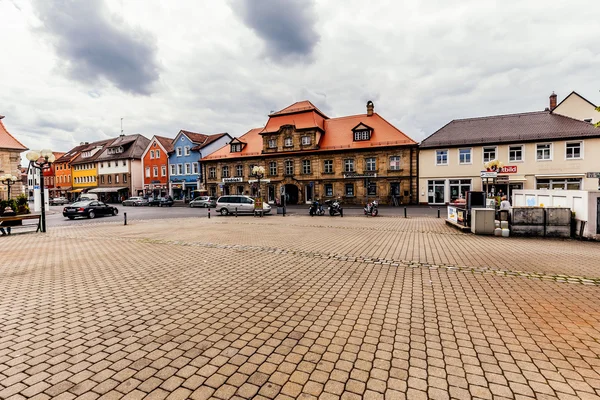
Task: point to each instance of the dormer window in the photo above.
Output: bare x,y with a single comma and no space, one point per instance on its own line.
288,142
272,143
115,150
363,134
236,147
305,140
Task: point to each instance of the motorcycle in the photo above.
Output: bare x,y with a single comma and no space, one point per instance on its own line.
334,207
371,208
316,209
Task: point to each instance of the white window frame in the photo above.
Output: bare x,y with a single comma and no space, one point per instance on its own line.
173,169
195,168
179,169
580,142
151,154
483,153
273,168
349,162
155,171
288,142
188,168
306,167
288,166
325,165
272,143
436,156
163,170
522,153
186,150
147,172
305,140
460,162
536,151
178,151
156,153
212,172
374,160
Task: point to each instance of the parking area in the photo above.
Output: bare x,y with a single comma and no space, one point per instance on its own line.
296,307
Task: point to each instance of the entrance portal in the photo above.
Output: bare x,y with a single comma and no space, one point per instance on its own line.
291,192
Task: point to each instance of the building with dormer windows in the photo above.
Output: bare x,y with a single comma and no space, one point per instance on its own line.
84,169
309,156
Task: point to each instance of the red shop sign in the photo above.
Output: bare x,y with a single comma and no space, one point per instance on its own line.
508,169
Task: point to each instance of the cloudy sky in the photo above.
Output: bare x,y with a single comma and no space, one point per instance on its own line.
72,69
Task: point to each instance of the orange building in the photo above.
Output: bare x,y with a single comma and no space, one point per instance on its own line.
50,178
155,161
309,156
63,180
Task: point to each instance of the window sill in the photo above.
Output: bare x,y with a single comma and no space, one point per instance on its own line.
328,173
395,170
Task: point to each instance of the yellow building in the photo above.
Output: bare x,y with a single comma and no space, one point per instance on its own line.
84,168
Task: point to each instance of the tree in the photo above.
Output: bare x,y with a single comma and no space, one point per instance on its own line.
597,124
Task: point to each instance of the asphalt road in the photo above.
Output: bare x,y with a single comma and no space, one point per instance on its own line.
55,218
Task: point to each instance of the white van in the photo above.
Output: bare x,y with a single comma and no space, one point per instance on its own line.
243,204
88,196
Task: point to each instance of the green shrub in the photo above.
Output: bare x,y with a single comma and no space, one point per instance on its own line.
22,200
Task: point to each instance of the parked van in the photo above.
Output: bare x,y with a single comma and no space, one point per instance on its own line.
243,204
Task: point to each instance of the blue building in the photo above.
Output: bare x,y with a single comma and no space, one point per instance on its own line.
185,171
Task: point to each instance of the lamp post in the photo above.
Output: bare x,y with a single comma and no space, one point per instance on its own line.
39,161
8,180
258,173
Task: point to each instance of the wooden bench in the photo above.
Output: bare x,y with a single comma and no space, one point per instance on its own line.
24,217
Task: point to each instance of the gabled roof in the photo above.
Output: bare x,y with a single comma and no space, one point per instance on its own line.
91,146
532,126
196,138
298,107
574,93
133,147
166,143
210,139
302,115
8,141
71,154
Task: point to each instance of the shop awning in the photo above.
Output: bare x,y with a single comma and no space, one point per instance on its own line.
76,191
106,190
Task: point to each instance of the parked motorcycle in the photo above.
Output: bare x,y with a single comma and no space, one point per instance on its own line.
372,208
316,208
334,207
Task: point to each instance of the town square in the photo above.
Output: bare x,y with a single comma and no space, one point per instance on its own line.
299,199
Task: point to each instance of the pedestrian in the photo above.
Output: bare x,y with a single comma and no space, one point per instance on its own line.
8,212
504,204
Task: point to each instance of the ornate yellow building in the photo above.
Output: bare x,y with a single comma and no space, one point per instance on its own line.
309,156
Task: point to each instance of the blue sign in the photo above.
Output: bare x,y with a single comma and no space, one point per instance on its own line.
36,187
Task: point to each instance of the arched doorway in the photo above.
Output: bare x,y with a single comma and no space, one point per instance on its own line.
291,192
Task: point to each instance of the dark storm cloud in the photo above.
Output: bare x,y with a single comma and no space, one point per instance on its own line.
94,45
287,27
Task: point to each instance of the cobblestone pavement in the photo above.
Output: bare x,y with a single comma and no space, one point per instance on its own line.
296,307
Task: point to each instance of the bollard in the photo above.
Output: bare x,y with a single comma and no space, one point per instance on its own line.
208,212
125,218
404,212
284,211
438,212
236,212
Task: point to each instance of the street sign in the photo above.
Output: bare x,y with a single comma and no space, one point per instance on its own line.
489,174
37,187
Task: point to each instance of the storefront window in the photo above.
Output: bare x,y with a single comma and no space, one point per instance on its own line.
559,184
328,189
459,188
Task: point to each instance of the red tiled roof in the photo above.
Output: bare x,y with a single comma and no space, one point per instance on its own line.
166,142
539,125
299,106
337,135
197,138
8,141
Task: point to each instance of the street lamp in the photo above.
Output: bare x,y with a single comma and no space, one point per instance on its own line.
258,173
39,161
8,180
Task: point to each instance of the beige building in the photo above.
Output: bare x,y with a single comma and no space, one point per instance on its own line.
539,150
310,156
10,158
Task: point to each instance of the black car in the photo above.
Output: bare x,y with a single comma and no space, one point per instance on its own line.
154,201
89,209
166,201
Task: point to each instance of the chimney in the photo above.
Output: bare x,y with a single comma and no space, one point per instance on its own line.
552,101
370,108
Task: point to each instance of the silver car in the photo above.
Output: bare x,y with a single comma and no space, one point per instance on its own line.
241,204
204,201
57,201
135,201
